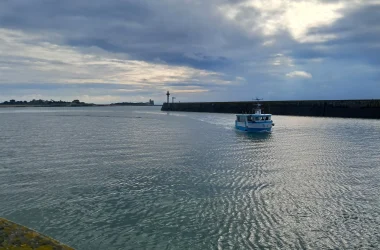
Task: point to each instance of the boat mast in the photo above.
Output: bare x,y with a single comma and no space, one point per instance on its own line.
258,106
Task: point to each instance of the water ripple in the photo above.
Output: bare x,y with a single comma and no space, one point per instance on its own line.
138,178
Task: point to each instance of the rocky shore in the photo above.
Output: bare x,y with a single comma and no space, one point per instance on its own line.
16,237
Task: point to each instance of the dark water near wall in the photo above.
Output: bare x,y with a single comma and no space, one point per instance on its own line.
139,178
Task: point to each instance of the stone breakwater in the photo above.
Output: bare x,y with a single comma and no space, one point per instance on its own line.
322,108
15,236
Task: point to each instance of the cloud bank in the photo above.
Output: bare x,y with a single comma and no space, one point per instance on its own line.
199,50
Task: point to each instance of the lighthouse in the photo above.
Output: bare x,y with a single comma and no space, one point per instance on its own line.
167,95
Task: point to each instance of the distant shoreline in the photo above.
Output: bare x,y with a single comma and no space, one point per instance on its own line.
46,106
72,106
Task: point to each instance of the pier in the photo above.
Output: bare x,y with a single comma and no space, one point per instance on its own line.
320,108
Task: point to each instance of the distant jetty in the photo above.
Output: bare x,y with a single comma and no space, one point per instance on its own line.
321,108
15,236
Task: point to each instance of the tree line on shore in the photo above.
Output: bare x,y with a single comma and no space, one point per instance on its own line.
41,102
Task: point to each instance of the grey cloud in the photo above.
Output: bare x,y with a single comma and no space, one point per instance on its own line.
194,33
357,38
147,30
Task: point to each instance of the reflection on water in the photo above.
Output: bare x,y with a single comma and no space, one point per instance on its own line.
138,178
253,136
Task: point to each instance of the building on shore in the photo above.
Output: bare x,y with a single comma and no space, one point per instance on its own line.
150,103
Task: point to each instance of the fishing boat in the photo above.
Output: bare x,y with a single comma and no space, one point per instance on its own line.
256,122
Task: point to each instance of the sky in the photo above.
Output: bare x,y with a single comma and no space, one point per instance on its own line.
216,50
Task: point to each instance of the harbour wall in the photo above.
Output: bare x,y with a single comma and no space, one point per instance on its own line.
321,108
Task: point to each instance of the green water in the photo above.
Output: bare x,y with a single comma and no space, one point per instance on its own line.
139,178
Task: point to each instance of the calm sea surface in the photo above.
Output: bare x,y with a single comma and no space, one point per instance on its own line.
139,178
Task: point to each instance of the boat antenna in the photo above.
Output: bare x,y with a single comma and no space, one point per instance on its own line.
258,105
257,100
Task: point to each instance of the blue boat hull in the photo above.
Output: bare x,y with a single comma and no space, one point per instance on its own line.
253,130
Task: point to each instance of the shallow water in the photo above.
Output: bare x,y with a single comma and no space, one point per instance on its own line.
139,178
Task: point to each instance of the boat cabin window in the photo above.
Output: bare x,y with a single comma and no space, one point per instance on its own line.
240,119
259,118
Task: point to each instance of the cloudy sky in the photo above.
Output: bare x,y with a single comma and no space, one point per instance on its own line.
219,50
